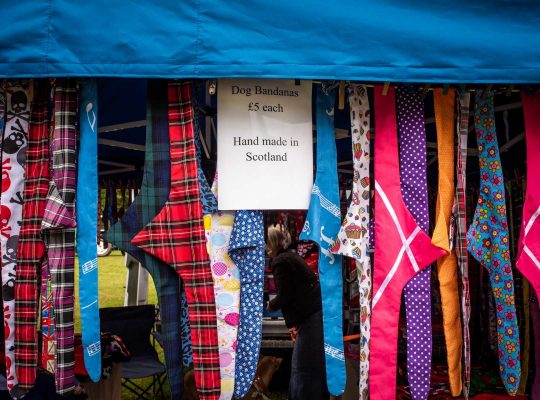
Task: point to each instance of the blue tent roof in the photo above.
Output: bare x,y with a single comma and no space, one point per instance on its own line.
387,40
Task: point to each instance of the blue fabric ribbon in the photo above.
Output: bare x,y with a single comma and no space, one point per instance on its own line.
246,249
322,226
87,216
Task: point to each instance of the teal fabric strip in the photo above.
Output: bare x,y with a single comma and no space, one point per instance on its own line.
322,226
87,215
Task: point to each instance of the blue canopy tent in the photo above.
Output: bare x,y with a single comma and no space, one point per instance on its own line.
388,40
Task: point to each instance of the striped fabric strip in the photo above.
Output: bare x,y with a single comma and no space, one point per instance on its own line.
154,192
31,252
58,228
176,236
460,214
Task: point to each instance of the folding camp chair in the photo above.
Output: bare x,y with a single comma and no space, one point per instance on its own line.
134,325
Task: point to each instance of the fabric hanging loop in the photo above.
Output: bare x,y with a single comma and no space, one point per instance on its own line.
459,211
31,252
417,292
87,192
447,266
528,260
58,225
353,236
14,142
488,240
218,227
322,225
402,249
246,250
176,236
154,192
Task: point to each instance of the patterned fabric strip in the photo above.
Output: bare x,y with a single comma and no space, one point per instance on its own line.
13,159
353,237
218,227
246,250
48,345
154,192
58,227
488,240
176,236
87,212
322,225
459,211
447,265
413,177
31,252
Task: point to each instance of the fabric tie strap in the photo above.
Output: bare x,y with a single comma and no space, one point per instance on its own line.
246,250
459,211
154,192
402,249
176,236
218,227
488,240
87,214
447,266
31,252
322,225
353,237
413,178
58,229
528,260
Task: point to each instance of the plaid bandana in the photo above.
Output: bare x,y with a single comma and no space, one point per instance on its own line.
460,215
176,236
154,192
58,228
13,159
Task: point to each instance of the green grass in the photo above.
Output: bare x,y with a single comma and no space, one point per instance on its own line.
112,286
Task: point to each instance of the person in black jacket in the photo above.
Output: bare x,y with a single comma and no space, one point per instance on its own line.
299,298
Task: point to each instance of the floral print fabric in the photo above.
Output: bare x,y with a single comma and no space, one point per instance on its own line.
488,240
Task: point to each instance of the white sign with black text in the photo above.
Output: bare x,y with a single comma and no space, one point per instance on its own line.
265,145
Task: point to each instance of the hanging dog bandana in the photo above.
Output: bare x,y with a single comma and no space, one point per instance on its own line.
488,240
460,213
218,228
58,227
402,249
322,225
87,192
176,236
154,192
447,266
528,260
48,345
13,159
353,237
413,178
208,199
246,250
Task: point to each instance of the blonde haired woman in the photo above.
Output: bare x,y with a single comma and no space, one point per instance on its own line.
299,299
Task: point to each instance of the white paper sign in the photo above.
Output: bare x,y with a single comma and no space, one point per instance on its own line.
265,145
